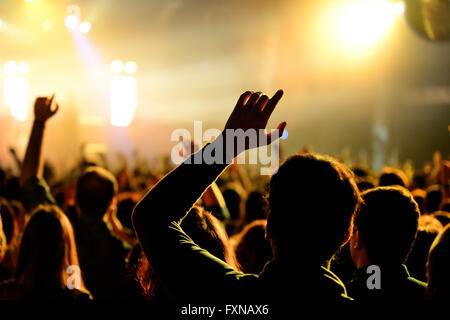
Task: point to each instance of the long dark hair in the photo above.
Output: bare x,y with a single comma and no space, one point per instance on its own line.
207,232
46,251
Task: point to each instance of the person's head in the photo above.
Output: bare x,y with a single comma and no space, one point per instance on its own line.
445,206
9,221
311,202
255,207
393,177
434,198
46,251
429,228
364,184
125,208
95,191
233,198
252,248
442,216
3,243
207,232
419,196
360,172
438,265
385,227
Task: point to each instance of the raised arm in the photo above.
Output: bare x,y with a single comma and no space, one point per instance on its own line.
32,163
156,217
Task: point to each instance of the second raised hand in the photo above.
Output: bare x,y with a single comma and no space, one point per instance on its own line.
43,108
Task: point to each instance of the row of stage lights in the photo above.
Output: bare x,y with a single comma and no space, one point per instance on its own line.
72,20
123,91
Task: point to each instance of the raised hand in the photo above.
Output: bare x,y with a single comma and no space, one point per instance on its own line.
253,111
43,108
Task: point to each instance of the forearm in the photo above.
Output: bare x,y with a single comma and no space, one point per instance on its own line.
172,197
31,165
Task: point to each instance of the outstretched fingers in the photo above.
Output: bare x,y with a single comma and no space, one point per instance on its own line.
272,103
50,100
253,99
242,101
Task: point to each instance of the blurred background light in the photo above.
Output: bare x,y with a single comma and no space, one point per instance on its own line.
23,68
398,8
1,23
47,25
130,67
16,89
85,27
117,66
72,21
10,68
361,24
123,100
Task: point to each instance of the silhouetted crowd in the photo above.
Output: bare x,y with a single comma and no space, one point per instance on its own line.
315,229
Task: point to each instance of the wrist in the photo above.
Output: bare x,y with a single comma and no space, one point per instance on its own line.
39,122
229,147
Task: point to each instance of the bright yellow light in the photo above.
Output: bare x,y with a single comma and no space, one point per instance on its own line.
23,68
72,21
360,24
10,68
29,0
399,8
123,100
117,66
130,67
85,27
16,93
47,25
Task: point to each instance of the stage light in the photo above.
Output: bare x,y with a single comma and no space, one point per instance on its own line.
10,68
23,68
29,0
361,23
123,100
85,27
16,90
117,66
1,23
130,67
47,25
398,8
72,21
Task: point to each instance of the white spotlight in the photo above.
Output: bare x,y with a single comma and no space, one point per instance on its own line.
1,23
398,8
16,94
85,27
72,21
23,68
117,66
123,100
10,68
130,67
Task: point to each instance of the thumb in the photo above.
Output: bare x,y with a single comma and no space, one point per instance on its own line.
271,137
